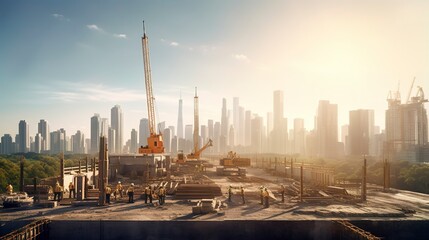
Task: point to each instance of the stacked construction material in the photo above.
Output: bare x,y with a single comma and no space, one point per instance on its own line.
197,191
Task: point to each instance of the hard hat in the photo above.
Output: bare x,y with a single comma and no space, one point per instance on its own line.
132,184
119,182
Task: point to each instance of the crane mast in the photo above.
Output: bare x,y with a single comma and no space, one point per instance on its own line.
148,82
154,141
196,122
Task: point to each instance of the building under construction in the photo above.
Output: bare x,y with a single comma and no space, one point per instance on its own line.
407,128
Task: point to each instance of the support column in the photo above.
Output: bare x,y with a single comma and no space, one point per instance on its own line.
62,169
86,165
102,171
363,197
302,184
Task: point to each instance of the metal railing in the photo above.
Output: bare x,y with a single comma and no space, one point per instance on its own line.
34,230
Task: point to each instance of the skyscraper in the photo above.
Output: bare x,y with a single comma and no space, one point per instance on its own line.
112,140
143,131
236,119
24,137
78,143
43,129
407,129
6,144
279,129
95,133
327,129
361,131
133,144
38,143
240,135
180,119
166,136
248,128
224,119
117,123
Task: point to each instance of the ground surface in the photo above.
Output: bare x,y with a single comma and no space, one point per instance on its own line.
394,205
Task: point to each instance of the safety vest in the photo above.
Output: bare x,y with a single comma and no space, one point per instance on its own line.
119,187
58,188
108,190
71,186
161,192
147,191
131,189
9,188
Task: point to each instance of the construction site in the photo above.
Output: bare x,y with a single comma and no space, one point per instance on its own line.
153,195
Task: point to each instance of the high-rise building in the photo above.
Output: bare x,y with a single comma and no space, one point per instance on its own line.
240,135
180,120
216,137
57,139
407,129
111,140
38,143
117,123
143,131
24,137
133,143
174,145
345,138
166,136
204,133
361,131
78,143
95,133
224,119
7,144
43,129
236,119
256,134
231,136
161,126
327,130
188,132
172,132
248,128
104,127
279,129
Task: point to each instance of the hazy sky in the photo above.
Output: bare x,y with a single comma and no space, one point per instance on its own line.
63,61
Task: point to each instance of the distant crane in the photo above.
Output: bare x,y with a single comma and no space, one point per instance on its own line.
195,155
409,91
154,141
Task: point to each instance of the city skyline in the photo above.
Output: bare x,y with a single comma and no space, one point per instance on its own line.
349,64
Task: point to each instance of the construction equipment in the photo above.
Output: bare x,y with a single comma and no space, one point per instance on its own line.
196,154
154,141
233,165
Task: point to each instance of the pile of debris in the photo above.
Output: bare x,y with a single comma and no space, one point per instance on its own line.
205,206
197,191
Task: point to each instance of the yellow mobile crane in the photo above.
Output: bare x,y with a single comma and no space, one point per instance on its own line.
154,141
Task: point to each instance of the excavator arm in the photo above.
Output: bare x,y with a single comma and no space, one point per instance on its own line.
197,154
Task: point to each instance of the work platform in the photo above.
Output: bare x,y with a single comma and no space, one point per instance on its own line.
395,214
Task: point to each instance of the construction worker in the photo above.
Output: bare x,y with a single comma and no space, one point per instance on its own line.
72,190
161,195
229,193
150,194
266,198
108,192
57,191
146,194
9,189
130,192
242,194
119,189
282,191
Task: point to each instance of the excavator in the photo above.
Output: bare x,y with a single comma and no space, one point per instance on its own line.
154,141
196,155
